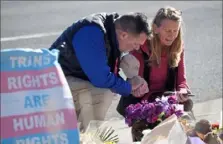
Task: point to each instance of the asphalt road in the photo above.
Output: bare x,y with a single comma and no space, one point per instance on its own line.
36,25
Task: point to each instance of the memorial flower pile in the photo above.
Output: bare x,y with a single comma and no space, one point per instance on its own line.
154,112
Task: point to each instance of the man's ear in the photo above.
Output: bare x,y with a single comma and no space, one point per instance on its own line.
123,35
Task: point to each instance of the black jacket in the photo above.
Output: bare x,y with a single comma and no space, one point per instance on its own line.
67,57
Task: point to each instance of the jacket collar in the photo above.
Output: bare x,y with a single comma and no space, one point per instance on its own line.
145,47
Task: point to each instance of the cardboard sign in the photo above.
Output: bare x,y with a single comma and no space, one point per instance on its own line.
36,102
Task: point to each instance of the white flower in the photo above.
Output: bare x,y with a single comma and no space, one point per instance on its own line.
165,99
179,107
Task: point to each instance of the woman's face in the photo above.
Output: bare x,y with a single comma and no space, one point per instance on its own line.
168,31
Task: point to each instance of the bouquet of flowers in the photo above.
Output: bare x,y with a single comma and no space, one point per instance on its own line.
145,115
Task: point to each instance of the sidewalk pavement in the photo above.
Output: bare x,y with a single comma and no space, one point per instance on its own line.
208,110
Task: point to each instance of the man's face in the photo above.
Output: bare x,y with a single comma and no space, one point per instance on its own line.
128,42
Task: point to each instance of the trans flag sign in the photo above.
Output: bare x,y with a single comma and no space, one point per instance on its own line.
36,102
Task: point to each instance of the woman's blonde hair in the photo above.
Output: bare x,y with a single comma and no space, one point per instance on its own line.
175,49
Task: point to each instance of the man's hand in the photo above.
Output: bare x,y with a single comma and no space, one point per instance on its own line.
143,89
139,86
136,82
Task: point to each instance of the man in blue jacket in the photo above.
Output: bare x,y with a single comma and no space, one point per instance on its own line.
91,47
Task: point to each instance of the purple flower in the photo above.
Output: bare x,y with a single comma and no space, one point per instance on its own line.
152,112
178,113
138,106
164,104
134,111
148,110
128,121
172,99
168,112
129,110
159,108
144,102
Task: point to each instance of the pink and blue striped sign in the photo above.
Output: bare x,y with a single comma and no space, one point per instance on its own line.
36,102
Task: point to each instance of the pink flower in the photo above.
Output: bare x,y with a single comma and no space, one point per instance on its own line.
172,99
138,106
154,119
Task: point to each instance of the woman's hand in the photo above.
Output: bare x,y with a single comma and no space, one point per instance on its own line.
182,95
